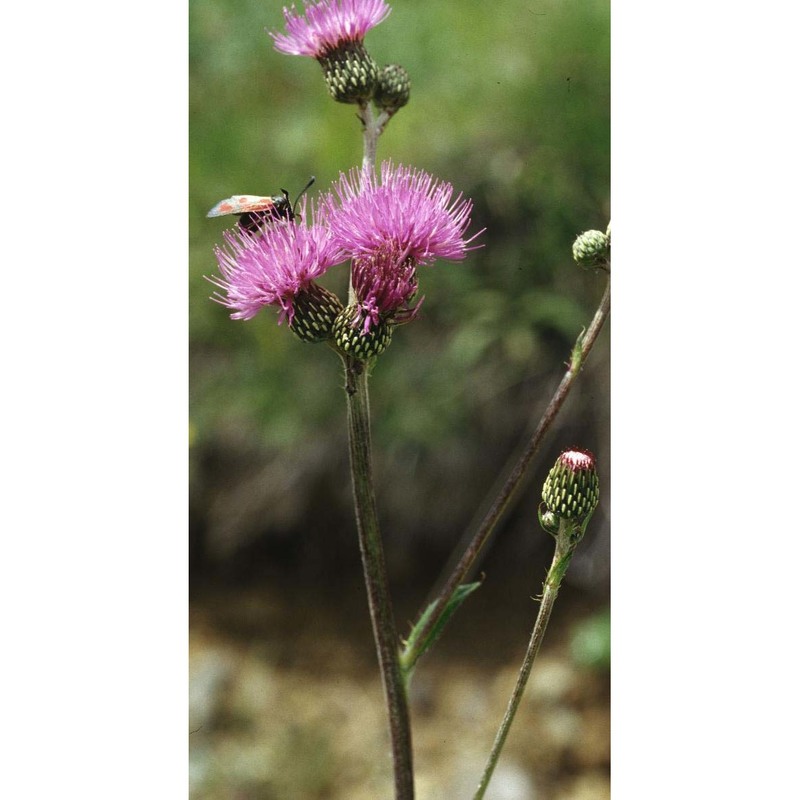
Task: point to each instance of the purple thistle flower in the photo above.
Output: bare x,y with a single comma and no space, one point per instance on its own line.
328,25
385,287
273,266
389,229
408,212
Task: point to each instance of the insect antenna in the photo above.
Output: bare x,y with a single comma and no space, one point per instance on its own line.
302,192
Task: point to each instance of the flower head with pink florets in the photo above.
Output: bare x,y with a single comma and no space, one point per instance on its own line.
328,25
277,266
332,32
389,228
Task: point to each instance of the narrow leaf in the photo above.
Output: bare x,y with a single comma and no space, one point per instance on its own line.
415,648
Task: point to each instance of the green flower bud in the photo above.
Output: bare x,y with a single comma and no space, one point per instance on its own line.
592,250
350,73
315,309
393,88
348,333
572,490
548,520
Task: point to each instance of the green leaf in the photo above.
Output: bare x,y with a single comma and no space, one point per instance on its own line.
414,647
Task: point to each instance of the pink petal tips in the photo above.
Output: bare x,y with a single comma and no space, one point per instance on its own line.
327,25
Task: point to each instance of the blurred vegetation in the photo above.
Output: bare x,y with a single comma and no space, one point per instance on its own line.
591,641
510,103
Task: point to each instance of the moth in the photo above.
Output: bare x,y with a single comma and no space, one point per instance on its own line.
255,211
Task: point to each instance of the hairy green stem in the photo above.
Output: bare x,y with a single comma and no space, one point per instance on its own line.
565,546
380,606
371,131
372,128
579,353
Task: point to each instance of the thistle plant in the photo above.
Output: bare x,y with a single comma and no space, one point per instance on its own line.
386,224
569,497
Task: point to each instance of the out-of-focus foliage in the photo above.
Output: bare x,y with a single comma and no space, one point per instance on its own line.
591,641
509,103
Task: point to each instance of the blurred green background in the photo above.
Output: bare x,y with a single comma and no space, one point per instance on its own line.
511,104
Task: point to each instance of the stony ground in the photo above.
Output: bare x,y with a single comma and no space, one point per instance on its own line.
286,704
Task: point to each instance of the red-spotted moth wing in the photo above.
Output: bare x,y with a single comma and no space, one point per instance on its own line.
255,211
250,203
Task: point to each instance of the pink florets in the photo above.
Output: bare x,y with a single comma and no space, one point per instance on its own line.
392,227
408,209
384,286
272,266
577,460
328,24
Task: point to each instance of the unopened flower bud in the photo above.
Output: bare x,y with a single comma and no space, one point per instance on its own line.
315,309
548,520
351,338
393,88
350,73
591,250
572,490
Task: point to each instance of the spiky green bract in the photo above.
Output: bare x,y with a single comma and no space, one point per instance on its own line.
591,250
315,309
392,89
350,337
350,73
572,490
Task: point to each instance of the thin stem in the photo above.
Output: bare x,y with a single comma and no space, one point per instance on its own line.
380,606
565,546
384,627
372,130
579,353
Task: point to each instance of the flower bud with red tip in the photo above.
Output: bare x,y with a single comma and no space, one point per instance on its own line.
572,490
